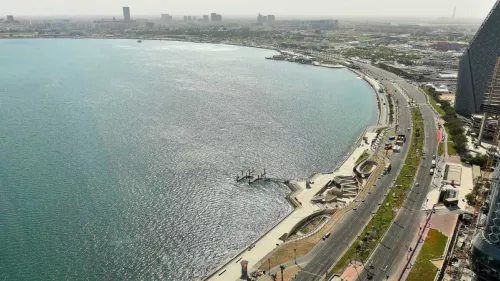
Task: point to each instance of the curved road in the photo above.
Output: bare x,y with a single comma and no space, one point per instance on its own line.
383,264
400,234
343,233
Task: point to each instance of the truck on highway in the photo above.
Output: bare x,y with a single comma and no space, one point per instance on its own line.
433,164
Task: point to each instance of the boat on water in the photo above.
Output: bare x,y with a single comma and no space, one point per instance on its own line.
139,41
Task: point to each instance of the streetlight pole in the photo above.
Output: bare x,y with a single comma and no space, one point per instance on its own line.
282,268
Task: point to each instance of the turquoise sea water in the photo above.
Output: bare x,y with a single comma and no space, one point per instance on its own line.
118,159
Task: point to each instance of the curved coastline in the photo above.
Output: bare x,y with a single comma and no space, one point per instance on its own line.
294,188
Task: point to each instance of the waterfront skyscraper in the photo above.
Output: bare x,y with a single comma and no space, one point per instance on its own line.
476,65
206,19
10,18
126,13
486,244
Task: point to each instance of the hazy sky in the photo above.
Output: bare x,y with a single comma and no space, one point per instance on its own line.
396,8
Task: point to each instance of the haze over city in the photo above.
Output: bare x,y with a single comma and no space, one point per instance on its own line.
319,140
339,8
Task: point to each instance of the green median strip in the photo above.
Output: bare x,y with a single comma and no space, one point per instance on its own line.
368,240
433,248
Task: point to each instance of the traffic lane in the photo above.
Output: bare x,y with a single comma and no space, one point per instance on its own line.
414,205
323,259
400,233
334,248
417,95
329,254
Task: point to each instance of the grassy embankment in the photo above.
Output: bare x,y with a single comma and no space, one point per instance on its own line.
379,223
453,125
363,156
433,248
440,149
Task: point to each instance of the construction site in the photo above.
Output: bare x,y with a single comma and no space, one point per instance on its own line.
475,250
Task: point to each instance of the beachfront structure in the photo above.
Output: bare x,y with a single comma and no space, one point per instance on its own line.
476,65
486,244
126,13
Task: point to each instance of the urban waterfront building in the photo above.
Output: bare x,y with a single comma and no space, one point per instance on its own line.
10,18
126,13
206,18
476,65
486,244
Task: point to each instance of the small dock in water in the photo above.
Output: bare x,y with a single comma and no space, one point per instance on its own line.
250,177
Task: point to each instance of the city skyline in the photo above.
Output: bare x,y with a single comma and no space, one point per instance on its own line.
382,8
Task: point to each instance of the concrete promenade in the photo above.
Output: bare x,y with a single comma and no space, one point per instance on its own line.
232,270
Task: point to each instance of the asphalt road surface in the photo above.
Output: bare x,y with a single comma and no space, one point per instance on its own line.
325,253
394,248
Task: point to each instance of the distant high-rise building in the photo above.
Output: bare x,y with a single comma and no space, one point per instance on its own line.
214,17
259,18
194,18
185,18
486,244
476,65
271,18
126,13
264,18
189,18
324,24
454,10
206,18
10,18
166,17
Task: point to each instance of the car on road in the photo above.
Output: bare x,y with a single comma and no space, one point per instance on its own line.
431,172
326,236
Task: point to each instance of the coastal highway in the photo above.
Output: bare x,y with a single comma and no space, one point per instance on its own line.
394,248
325,253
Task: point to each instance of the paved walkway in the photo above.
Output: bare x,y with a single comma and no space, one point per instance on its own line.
232,270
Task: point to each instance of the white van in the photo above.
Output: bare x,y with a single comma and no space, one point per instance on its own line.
431,172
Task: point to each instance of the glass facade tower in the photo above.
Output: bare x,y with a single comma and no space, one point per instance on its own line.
486,244
476,65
